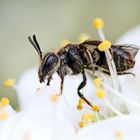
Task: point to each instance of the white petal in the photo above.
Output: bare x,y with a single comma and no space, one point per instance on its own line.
9,127
123,127
39,120
130,87
130,37
28,83
9,112
26,87
69,98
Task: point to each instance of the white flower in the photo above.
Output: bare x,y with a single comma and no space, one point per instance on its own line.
40,120
69,97
26,87
46,116
131,88
116,128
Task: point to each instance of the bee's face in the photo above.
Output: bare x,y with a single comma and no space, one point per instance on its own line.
49,65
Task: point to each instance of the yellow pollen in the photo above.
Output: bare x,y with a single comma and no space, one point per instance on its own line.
64,43
118,134
81,124
95,108
17,109
1,106
79,107
87,117
100,93
98,23
81,101
4,116
55,98
104,45
97,82
9,83
83,38
5,101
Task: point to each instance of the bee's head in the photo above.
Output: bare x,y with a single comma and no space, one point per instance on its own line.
49,63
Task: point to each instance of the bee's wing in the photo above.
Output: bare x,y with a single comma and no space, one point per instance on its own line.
91,42
123,56
132,50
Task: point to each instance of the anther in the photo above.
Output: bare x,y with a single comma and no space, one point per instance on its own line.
104,45
98,23
83,38
100,93
95,108
97,82
9,83
5,101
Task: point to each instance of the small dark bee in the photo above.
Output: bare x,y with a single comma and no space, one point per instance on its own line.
73,59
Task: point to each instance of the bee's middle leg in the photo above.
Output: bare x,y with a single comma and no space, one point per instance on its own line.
82,84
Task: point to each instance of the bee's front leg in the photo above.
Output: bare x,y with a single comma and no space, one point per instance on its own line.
62,83
49,79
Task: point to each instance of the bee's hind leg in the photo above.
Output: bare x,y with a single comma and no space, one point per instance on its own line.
124,73
82,84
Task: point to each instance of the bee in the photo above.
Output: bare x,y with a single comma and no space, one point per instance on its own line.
74,59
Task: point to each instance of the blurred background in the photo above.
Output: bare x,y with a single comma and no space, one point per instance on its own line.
54,21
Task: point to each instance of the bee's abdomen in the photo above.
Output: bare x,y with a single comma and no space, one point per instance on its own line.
123,61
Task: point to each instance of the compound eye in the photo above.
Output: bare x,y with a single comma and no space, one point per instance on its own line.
51,62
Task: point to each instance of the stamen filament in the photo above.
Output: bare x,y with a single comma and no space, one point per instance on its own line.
121,96
110,61
111,107
97,117
99,24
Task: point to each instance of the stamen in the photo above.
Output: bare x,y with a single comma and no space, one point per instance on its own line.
118,134
97,117
99,24
97,82
104,45
1,106
112,108
81,101
5,101
80,104
64,43
100,93
86,119
4,116
9,83
79,107
26,136
83,38
55,98
81,124
121,96
95,108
